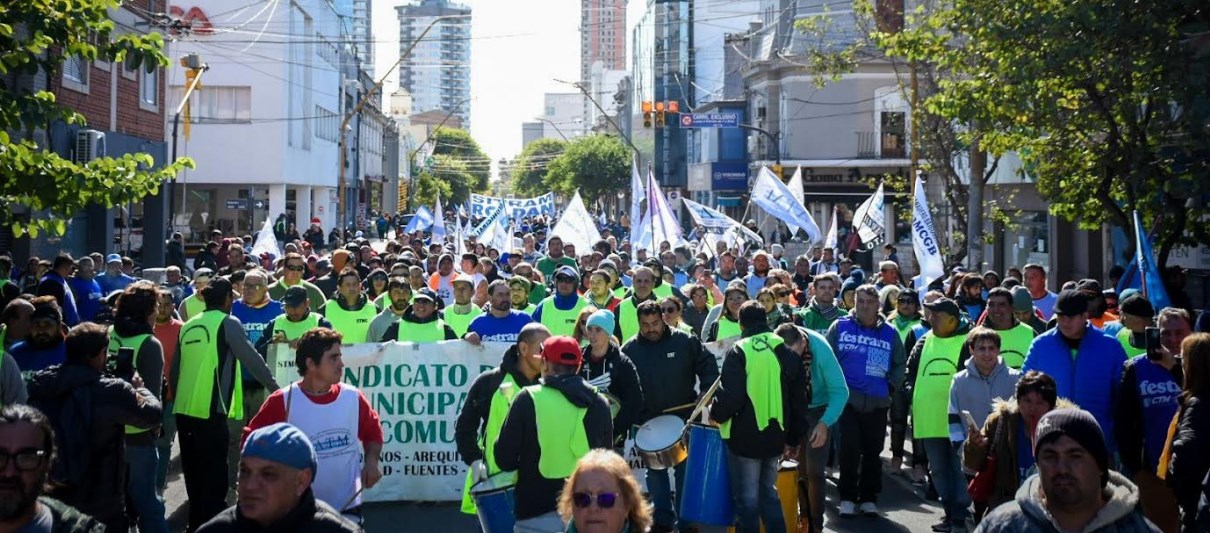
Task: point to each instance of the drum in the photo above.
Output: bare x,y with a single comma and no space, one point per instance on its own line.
706,498
659,442
494,502
787,493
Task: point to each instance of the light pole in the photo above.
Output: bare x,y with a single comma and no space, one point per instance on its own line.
194,74
621,133
553,125
773,138
344,125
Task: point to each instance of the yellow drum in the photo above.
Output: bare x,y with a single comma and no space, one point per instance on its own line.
787,492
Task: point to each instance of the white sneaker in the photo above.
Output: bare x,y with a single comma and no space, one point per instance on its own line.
848,508
868,508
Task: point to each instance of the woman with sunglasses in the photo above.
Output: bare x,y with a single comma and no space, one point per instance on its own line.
602,496
670,309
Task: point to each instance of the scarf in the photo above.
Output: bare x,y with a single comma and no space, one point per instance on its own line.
829,313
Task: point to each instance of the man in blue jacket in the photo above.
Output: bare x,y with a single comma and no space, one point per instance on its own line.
1085,362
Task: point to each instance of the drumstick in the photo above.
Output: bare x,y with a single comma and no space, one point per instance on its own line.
679,407
354,497
706,398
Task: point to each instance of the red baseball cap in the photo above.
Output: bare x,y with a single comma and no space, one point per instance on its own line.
563,350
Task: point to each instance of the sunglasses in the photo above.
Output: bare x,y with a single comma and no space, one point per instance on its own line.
667,310
605,500
296,268
906,301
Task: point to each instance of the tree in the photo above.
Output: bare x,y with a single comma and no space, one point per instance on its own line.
530,166
1105,100
427,187
458,144
454,174
594,165
37,36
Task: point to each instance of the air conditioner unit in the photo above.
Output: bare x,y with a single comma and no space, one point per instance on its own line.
90,144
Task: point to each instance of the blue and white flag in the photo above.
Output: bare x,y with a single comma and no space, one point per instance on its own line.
663,222
636,199
438,221
1142,273
870,220
715,221
795,187
488,223
420,221
924,239
775,198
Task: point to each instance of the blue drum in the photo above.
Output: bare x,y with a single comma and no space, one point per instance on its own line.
494,502
707,492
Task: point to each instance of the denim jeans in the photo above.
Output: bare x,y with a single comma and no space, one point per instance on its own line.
660,489
945,465
164,446
754,491
141,465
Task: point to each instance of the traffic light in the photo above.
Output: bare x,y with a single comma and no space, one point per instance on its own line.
659,114
646,113
674,106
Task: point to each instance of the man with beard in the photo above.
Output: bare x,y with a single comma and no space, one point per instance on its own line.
85,289
350,311
600,294
760,270
501,323
519,290
43,347
1148,399
236,261
487,404
399,294
421,323
27,442
1074,487
90,413
802,276
1015,337
295,267
54,283
555,258
821,310
726,270
113,279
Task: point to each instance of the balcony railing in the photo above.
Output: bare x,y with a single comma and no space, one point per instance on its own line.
893,145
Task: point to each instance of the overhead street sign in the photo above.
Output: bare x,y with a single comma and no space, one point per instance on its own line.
237,203
709,120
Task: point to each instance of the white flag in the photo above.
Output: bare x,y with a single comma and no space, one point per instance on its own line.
924,239
438,221
795,187
265,241
870,220
775,198
829,241
664,226
715,220
502,240
636,199
576,226
420,221
459,239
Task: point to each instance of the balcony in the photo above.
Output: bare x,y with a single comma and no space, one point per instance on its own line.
893,145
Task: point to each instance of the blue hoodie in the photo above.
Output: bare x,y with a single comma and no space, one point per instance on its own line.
1090,379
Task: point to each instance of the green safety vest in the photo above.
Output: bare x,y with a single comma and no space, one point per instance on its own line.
496,414
628,319
931,397
561,322
294,330
460,323
727,328
3,338
1014,344
192,306
1131,351
528,309
197,362
662,290
620,292
136,343
354,325
764,381
421,332
562,440
904,327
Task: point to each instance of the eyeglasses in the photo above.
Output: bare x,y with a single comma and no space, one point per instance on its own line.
29,459
296,268
667,310
605,500
906,301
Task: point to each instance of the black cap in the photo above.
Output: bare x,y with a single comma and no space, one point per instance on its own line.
1091,286
296,295
1136,305
1082,427
1071,302
425,293
222,285
944,305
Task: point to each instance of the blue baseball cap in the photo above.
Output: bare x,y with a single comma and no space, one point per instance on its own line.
113,258
281,443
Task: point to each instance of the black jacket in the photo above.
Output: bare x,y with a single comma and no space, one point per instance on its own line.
518,449
616,375
672,371
732,402
472,421
65,519
1190,462
97,484
205,259
316,238
309,515
174,255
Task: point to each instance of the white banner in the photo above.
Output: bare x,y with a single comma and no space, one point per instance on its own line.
713,219
795,186
829,240
636,198
266,241
438,221
871,220
418,391
775,198
924,239
576,226
481,205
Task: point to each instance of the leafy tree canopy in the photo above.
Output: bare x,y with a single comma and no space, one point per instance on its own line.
594,165
529,168
458,144
37,36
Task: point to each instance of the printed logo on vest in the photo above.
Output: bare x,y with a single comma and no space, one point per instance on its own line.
332,442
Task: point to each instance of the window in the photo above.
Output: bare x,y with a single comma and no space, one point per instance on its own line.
149,90
894,134
218,104
75,74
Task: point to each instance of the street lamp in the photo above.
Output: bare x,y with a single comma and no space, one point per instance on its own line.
584,90
196,68
773,138
553,125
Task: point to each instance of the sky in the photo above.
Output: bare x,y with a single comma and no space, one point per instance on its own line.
518,48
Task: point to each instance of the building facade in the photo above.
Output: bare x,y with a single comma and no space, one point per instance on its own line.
438,74
602,49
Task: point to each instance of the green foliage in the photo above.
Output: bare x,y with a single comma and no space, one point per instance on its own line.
36,36
530,166
456,179
594,165
427,187
458,144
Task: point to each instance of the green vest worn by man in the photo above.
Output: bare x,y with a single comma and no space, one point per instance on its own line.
460,323
562,440
1014,344
628,318
135,343
432,331
561,322
816,322
764,381
903,326
192,306
1131,351
197,362
293,331
502,399
353,325
528,309
931,397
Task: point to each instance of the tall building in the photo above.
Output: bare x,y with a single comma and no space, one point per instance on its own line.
603,40
356,23
438,75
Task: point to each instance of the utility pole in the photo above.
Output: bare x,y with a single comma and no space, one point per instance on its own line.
600,109
974,210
